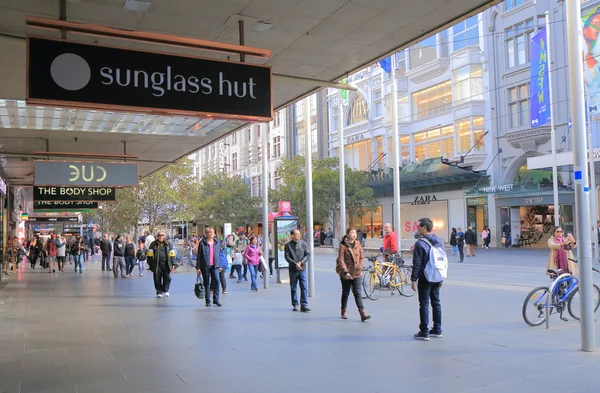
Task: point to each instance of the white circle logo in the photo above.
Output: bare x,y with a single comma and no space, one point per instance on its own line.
70,71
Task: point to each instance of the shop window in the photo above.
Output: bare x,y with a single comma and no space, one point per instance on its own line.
359,111
466,33
438,142
469,132
432,101
535,179
359,155
368,220
468,84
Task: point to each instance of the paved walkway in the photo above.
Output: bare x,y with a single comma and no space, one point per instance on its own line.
90,333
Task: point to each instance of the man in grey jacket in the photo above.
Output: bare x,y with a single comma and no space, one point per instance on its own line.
296,255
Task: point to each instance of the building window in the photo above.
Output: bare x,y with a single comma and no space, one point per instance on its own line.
259,153
423,52
510,4
432,101
469,132
234,162
468,84
256,186
359,155
437,142
359,111
518,106
333,126
277,147
234,138
377,103
478,133
277,119
465,33
517,40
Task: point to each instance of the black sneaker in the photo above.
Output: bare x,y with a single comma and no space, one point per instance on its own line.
207,304
421,336
435,333
304,309
218,304
294,308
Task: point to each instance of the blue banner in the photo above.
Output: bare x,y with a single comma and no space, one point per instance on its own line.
539,102
386,64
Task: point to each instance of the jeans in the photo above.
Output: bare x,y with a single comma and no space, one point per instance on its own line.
211,281
119,264
461,251
162,278
454,250
508,240
355,285
245,275
78,262
141,267
429,291
130,264
253,273
238,270
296,277
105,262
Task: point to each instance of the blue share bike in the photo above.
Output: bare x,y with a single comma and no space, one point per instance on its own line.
562,293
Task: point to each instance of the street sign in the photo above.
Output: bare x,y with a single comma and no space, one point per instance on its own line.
102,194
52,219
75,173
63,205
71,74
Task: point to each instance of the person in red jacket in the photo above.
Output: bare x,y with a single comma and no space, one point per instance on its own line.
390,240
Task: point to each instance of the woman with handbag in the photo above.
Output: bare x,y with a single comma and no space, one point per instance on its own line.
349,265
252,255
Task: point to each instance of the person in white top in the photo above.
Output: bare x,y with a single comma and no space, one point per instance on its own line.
149,239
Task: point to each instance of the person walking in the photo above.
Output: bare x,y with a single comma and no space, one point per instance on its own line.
471,240
349,265
78,250
252,255
141,256
506,234
210,262
129,255
51,248
160,258
34,251
106,249
119,257
460,243
486,235
61,252
297,255
240,247
428,291
453,241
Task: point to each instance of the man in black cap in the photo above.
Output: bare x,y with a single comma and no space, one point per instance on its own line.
160,258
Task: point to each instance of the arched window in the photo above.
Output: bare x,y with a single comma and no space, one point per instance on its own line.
359,111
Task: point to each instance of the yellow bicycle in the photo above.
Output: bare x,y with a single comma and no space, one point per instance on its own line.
384,276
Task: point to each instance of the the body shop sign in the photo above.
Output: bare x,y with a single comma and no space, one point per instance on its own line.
89,76
105,194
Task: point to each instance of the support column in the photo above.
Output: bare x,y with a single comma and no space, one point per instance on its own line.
582,202
552,130
396,154
341,151
309,198
265,198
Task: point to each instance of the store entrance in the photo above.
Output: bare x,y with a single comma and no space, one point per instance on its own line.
531,226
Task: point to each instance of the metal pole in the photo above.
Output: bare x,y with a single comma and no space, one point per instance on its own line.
580,174
265,197
341,151
309,198
552,130
396,154
593,191
242,39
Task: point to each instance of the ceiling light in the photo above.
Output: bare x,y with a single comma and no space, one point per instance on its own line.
137,5
261,26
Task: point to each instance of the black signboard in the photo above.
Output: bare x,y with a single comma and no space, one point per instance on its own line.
76,173
64,205
91,76
41,193
52,219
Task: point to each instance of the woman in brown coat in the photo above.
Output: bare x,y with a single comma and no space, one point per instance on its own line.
349,266
561,256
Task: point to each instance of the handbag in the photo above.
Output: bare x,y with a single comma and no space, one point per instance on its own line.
237,259
503,240
262,265
199,289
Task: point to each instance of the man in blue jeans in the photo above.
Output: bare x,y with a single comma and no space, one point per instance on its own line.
296,255
428,291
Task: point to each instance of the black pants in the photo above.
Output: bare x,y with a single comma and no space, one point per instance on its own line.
162,278
355,285
223,280
429,291
238,270
461,251
211,278
486,242
105,262
271,260
61,262
33,258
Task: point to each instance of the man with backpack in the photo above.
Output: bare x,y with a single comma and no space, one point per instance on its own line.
430,267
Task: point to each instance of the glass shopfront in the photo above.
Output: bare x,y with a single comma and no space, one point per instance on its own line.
370,220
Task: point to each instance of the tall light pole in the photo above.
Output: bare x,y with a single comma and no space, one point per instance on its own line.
396,154
580,173
552,130
341,151
309,197
265,196
593,191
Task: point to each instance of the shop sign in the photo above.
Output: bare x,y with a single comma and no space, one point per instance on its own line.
2,187
53,219
532,201
64,205
104,194
496,189
62,73
477,201
423,200
355,138
75,173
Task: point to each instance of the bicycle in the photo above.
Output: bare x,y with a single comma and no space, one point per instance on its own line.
387,276
562,292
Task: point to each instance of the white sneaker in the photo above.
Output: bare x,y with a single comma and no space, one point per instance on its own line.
167,294
159,295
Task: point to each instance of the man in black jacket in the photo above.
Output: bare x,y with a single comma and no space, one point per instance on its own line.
427,290
297,255
106,249
470,240
160,258
119,257
210,263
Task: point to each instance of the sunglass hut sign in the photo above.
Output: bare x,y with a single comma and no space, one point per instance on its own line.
96,76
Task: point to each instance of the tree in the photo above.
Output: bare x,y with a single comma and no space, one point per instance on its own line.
222,199
326,189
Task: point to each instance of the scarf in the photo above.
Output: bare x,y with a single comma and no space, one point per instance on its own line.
561,256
